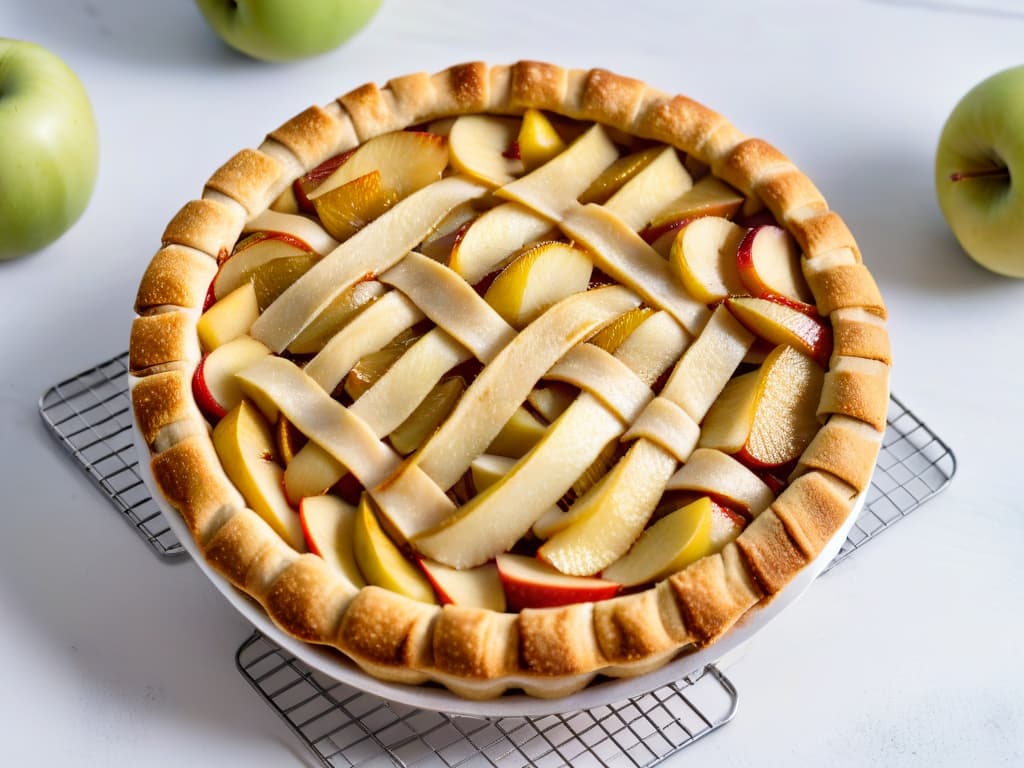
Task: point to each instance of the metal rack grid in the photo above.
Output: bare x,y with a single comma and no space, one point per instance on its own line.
90,415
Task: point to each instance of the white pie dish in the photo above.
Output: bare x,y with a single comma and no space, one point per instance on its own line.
603,691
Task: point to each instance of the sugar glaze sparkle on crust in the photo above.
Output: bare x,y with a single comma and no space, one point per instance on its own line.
545,652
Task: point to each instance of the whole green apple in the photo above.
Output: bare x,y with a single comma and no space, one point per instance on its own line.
284,30
979,172
49,148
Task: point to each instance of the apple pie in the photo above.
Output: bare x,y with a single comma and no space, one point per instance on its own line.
508,377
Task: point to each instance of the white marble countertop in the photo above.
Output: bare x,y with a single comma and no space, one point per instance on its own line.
906,655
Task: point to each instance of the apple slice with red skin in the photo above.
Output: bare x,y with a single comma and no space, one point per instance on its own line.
709,196
306,183
478,587
767,417
252,253
703,256
768,263
328,524
529,583
780,323
407,161
214,386
726,525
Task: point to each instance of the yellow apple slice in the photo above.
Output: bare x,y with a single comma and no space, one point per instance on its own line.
678,539
540,277
611,337
245,446
311,472
337,315
229,318
478,146
778,323
478,587
381,562
429,414
346,209
552,189
703,257
551,399
642,196
520,433
614,512
538,140
272,279
406,160
767,417
214,385
529,583
493,239
252,253
616,175
329,527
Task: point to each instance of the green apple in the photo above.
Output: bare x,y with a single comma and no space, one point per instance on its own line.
49,148
980,156
285,30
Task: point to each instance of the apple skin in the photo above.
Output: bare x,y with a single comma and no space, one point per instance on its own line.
49,154
286,30
979,157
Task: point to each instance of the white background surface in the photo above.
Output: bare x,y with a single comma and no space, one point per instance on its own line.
906,655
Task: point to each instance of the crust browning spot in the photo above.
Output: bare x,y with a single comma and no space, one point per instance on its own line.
536,84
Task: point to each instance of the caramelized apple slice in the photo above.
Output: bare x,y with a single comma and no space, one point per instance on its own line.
270,280
768,263
492,240
529,583
214,385
380,560
478,147
229,318
704,257
371,367
252,253
407,161
618,330
678,539
431,411
538,140
478,587
314,178
346,209
289,441
782,324
329,527
339,312
245,447
768,416
542,276
616,175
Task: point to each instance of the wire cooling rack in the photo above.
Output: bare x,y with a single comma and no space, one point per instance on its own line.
90,415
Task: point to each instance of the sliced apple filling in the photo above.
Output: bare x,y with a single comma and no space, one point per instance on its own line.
511,362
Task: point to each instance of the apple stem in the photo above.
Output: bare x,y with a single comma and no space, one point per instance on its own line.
1001,172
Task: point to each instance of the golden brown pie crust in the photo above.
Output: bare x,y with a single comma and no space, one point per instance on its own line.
478,653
